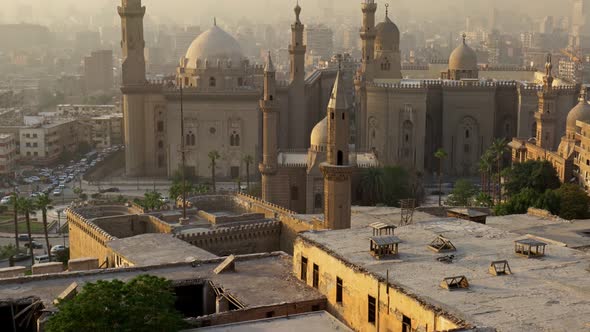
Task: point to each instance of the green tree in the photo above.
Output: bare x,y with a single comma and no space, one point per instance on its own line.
537,175
176,189
440,154
248,160
574,202
146,303
498,149
27,206
213,157
549,201
486,166
462,193
14,203
152,200
395,185
519,203
371,185
44,202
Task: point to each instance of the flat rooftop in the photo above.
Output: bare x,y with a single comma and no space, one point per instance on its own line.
573,234
544,294
258,280
157,248
318,321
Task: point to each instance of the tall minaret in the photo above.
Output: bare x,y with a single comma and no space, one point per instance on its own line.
297,49
368,35
133,78
268,105
546,115
132,42
337,170
300,123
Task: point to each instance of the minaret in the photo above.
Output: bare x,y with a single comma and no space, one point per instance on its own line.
297,49
546,115
300,123
368,35
133,78
132,42
337,170
268,105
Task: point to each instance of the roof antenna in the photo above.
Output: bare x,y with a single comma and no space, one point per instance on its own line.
215,21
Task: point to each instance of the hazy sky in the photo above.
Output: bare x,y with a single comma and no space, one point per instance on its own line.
195,11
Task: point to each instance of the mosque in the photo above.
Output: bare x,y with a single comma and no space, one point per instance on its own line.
401,114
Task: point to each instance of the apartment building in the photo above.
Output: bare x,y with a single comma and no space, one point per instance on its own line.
7,154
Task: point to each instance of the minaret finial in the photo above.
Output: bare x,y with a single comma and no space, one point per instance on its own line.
464,38
386,10
214,21
297,12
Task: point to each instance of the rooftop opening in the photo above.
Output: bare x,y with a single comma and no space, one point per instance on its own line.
455,283
529,248
382,229
441,244
500,268
384,246
228,265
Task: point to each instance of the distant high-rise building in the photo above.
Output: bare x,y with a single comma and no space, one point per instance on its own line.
98,71
580,31
319,40
546,25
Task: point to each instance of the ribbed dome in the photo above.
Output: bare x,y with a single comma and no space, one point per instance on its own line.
387,35
214,44
580,112
463,58
319,134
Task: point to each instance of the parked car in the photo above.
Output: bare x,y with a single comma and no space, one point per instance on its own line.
57,248
57,192
23,237
42,259
110,190
6,200
36,245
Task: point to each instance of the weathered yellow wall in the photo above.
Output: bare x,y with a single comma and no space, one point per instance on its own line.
357,286
87,240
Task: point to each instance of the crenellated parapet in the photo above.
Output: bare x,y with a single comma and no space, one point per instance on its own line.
87,226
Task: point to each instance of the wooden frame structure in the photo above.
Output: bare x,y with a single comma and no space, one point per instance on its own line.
384,246
408,206
441,244
382,229
499,268
529,248
455,283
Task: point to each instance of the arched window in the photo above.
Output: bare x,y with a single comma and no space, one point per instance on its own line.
234,139
534,129
212,81
340,161
160,144
294,193
193,140
467,133
317,201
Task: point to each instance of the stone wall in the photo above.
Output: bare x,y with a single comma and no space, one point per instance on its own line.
12,272
131,225
239,240
263,312
82,264
86,238
291,225
45,268
212,218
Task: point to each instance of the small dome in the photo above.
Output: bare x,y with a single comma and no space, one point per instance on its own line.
463,58
580,112
214,45
319,134
387,35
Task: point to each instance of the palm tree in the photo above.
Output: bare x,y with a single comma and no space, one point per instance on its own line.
372,185
152,200
43,202
14,201
499,148
440,154
27,206
485,167
248,160
213,156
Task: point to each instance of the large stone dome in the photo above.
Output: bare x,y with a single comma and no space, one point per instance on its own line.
580,112
387,35
463,58
319,135
213,45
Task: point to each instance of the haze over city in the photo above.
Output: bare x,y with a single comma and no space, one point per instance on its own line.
283,165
